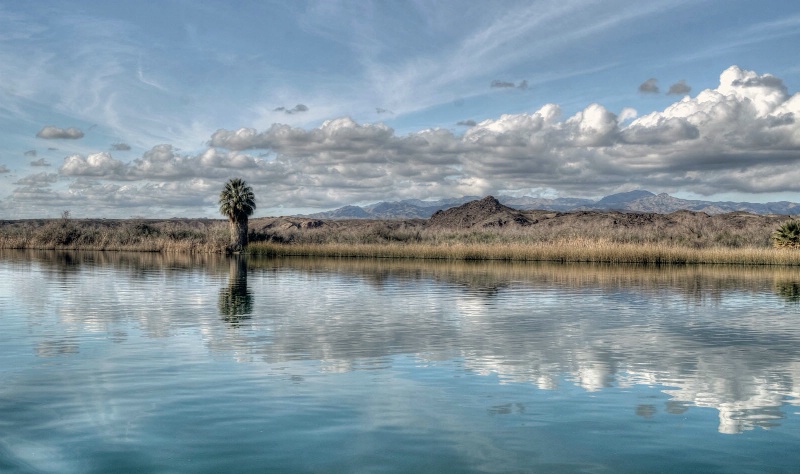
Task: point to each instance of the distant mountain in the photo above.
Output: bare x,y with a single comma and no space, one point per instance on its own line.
632,201
620,200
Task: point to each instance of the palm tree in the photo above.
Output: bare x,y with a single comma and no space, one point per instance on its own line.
787,235
237,202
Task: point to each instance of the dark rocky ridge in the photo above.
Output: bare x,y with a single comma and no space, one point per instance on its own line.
484,213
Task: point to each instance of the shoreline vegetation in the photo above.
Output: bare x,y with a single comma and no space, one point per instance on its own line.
566,251
481,230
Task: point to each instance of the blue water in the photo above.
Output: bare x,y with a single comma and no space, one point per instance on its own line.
151,363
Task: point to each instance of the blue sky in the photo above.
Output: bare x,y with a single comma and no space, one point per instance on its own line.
119,109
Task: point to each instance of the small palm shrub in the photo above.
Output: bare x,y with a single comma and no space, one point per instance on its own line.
787,235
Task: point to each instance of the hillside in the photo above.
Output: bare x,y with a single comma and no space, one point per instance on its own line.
485,220
489,220
484,213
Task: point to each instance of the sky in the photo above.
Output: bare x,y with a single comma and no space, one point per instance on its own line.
145,109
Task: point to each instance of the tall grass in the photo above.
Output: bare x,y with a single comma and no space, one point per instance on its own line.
567,250
194,236
600,238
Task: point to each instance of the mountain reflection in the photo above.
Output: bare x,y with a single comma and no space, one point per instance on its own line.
722,337
235,300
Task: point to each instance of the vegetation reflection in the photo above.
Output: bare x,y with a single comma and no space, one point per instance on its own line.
788,290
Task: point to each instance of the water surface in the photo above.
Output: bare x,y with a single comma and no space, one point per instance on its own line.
150,363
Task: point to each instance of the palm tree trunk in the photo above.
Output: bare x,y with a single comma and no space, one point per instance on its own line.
238,234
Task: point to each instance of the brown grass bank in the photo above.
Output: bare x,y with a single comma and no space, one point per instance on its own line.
487,230
481,230
138,235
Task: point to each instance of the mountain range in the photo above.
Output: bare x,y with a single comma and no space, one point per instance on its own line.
632,201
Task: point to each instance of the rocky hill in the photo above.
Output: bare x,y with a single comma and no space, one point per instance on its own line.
487,212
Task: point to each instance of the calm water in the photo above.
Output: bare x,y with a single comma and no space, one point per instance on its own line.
146,363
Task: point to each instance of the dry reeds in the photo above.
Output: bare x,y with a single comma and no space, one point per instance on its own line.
138,235
574,250
679,238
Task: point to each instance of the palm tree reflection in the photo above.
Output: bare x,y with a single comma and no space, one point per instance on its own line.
235,300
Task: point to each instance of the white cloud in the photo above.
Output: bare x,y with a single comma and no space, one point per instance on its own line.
52,133
98,164
742,136
628,113
162,162
746,123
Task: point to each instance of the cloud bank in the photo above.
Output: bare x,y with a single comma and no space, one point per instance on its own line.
742,136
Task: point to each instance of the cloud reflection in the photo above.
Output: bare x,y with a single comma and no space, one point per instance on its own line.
720,337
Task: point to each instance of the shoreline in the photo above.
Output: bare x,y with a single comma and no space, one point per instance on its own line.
495,235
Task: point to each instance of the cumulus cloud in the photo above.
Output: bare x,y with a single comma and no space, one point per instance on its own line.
679,88
52,133
40,162
297,108
665,130
627,114
339,133
4,169
467,123
162,162
649,86
120,147
742,136
30,153
98,164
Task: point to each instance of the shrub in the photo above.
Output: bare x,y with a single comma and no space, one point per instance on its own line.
787,235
